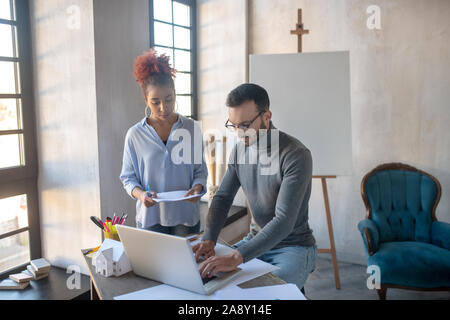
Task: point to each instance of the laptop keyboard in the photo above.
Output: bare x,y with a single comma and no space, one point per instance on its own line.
206,280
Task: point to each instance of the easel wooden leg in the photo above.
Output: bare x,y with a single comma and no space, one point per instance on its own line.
332,249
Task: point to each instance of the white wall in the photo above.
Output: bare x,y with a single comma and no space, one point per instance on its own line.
221,61
86,99
399,93
121,34
399,87
68,181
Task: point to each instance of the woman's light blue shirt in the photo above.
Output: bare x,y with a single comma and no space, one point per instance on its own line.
165,167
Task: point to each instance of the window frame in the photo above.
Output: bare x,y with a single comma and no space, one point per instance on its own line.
22,179
193,48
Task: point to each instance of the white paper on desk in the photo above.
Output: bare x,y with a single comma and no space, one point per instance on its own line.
164,292
250,270
174,196
288,291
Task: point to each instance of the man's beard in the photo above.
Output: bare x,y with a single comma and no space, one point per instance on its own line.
255,139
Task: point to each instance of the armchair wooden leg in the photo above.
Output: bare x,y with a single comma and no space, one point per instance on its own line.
382,293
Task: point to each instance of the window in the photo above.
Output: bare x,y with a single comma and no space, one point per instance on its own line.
173,32
19,222
14,249
11,133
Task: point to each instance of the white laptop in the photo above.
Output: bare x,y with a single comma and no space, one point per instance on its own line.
168,259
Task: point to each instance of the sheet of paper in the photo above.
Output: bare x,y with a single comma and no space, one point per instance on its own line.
174,196
165,292
287,291
250,270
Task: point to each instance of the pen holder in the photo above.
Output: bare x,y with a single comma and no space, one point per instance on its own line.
112,235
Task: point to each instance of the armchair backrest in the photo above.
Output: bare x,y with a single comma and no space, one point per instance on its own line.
401,200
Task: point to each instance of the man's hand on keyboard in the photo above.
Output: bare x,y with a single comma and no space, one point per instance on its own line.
215,264
203,250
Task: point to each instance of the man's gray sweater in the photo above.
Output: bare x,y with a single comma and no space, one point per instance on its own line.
278,199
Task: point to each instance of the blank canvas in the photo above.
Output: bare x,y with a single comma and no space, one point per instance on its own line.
310,99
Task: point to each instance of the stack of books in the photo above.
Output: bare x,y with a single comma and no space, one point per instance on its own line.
17,281
36,270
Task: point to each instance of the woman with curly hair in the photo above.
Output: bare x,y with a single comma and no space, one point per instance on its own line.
151,154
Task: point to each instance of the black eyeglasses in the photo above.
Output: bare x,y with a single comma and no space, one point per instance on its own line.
244,126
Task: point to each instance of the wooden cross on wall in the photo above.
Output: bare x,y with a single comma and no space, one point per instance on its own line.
299,31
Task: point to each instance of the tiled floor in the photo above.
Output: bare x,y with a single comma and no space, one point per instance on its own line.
320,285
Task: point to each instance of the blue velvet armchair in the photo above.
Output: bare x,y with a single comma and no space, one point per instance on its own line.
401,234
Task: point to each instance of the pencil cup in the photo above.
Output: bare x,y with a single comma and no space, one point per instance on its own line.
111,235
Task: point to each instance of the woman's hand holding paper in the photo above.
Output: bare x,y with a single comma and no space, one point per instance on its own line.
197,189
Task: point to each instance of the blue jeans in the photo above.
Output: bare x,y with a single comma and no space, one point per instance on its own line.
295,262
178,230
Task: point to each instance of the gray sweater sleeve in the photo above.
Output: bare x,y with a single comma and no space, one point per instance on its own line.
297,174
221,204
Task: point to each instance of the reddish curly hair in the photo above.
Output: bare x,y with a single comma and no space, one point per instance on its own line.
151,69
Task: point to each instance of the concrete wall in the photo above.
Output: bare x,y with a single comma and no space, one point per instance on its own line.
399,89
221,47
399,80
68,182
86,99
121,34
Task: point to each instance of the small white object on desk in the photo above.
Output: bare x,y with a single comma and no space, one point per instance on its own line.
111,260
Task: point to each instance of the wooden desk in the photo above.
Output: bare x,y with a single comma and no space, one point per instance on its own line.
108,288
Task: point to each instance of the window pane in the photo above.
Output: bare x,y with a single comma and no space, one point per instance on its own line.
13,213
10,146
7,78
162,10
6,40
181,14
183,83
167,51
182,60
184,105
182,38
5,11
8,114
14,251
163,34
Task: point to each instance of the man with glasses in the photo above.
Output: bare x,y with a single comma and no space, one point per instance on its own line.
279,232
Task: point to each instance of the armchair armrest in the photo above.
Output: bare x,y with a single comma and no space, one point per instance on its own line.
440,234
370,235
